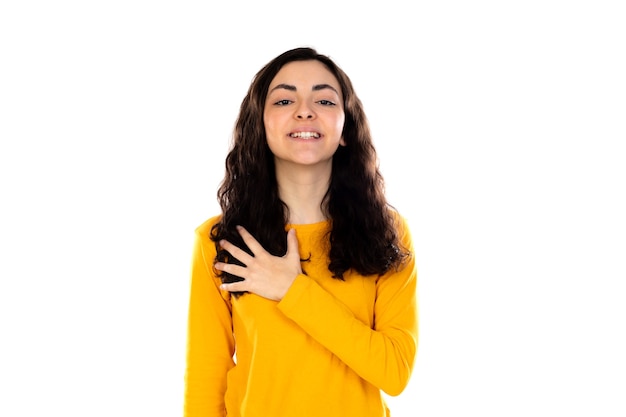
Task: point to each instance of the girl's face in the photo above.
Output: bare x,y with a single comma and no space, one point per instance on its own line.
304,114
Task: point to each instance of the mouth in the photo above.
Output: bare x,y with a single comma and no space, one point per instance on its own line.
304,135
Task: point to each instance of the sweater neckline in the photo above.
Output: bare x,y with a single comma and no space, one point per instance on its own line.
308,227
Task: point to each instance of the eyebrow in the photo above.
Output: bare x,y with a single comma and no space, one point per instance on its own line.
316,87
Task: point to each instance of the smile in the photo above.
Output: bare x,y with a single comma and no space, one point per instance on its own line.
305,135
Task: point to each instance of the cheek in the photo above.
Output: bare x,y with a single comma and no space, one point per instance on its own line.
266,121
270,122
270,132
269,135
340,124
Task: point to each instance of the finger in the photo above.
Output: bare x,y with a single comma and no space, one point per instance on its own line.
233,269
292,243
236,252
240,286
252,243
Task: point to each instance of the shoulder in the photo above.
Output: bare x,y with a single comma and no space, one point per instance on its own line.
399,220
402,227
204,229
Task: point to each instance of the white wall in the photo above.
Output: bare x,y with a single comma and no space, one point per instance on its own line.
498,124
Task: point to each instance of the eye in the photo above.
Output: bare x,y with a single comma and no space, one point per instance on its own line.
326,103
282,102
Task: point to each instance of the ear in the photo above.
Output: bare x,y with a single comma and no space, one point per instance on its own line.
342,141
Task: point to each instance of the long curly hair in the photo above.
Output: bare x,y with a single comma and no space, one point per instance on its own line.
363,233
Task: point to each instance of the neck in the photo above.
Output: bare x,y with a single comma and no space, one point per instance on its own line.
302,189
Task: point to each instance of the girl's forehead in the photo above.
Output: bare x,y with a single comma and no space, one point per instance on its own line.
312,72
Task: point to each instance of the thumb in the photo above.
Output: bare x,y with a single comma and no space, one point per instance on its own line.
292,243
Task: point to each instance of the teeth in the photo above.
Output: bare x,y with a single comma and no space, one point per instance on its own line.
305,135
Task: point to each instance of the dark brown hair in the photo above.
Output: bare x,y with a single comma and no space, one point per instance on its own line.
363,233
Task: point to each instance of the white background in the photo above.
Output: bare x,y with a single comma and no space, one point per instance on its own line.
500,128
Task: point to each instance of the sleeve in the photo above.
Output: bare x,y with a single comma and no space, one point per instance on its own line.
383,354
210,340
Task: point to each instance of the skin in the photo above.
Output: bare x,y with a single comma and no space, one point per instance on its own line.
264,274
303,97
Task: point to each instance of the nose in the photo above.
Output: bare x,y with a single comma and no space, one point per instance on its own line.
304,112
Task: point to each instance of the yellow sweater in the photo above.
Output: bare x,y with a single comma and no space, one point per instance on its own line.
326,349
